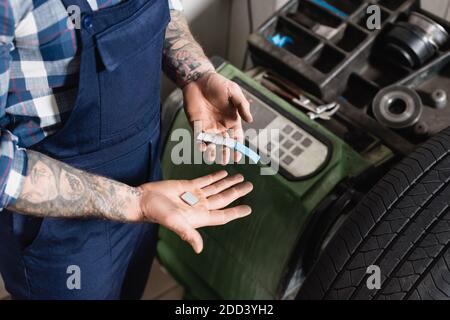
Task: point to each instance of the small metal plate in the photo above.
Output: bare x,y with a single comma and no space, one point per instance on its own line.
189,198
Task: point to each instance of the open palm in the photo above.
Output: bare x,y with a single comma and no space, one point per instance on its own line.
217,105
161,203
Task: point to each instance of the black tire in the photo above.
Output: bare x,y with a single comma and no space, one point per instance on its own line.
403,226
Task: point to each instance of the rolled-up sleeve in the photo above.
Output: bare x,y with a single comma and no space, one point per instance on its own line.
175,5
13,159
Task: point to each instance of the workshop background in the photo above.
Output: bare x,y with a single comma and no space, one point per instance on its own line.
222,27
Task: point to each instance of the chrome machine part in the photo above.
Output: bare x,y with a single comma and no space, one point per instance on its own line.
325,114
314,109
435,33
439,98
291,93
397,107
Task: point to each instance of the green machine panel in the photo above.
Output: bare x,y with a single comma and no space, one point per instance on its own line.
249,258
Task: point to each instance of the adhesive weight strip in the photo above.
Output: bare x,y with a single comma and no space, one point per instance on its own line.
230,143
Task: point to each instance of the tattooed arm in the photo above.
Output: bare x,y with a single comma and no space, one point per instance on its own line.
184,59
54,189
210,100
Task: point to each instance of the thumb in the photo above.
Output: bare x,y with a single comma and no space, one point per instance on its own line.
186,232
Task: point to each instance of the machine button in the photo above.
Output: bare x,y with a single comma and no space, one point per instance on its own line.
288,144
306,143
297,136
288,160
297,151
288,129
269,146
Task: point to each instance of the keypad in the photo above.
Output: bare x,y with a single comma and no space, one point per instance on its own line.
297,151
297,136
293,143
306,142
288,144
288,160
288,129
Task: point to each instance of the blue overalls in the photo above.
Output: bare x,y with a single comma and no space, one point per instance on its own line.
112,131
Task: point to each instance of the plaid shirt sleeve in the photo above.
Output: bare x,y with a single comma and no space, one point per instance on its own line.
13,159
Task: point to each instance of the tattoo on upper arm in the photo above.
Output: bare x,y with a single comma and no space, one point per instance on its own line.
55,189
184,59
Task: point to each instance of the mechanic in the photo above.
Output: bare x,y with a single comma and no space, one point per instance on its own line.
80,114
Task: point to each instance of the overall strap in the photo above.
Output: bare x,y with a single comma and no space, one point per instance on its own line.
82,4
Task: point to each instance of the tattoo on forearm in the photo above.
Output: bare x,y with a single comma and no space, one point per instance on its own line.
55,189
184,59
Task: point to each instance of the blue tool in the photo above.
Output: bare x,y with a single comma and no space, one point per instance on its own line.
280,40
331,8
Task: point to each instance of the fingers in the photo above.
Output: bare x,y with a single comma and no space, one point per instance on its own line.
237,134
209,179
238,99
210,152
226,197
210,149
219,153
221,217
185,231
225,152
201,146
222,185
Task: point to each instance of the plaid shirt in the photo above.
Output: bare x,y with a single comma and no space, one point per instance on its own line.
39,70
